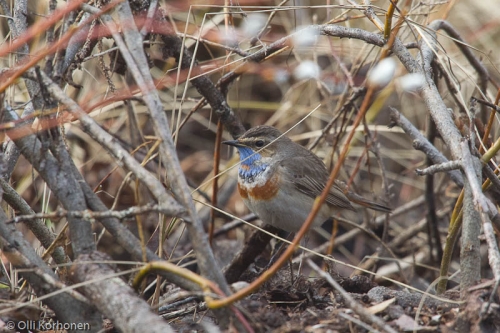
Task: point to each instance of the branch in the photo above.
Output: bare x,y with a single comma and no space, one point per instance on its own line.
122,156
37,227
22,256
493,255
90,215
59,179
443,167
421,143
123,236
470,257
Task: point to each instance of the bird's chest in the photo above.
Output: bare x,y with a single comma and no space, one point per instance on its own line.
275,201
257,185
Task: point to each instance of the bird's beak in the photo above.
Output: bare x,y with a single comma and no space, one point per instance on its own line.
234,143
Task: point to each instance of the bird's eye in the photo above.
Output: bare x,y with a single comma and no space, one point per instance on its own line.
259,143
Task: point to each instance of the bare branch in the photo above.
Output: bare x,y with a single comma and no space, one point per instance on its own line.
37,227
443,167
56,173
90,215
22,255
122,157
420,142
493,255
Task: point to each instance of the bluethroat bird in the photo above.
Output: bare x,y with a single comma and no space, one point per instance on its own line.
279,180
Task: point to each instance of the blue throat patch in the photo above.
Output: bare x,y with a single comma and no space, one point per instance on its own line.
250,166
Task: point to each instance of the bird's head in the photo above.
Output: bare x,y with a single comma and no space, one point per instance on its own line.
258,143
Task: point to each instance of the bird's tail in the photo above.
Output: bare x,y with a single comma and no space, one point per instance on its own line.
367,203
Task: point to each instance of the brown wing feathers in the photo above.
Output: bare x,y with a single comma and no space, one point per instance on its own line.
310,178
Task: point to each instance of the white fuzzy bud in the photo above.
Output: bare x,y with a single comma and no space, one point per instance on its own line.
305,36
307,70
253,24
382,73
411,82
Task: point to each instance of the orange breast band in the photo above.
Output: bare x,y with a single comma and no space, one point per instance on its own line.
264,192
